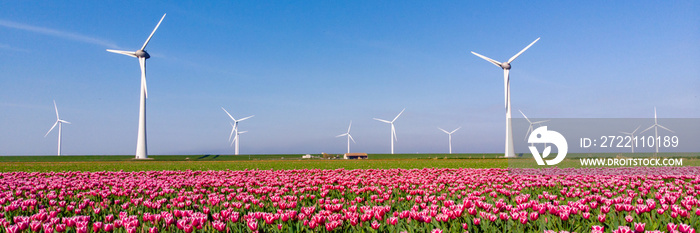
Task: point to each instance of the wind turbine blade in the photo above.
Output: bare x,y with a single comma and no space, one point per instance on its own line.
443,130
521,51
54,125
488,59
349,126
455,130
154,31
341,135
131,54
55,108
397,116
242,132
234,139
647,129
245,118
229,115
539,122
529,130
393,131
385,121
665,128
528,120
62,121
353,140
635,130
233,128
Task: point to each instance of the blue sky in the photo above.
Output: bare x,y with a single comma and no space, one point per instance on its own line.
306,69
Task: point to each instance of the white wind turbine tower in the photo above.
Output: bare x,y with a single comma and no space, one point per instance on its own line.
450,136
142,55
631,135
237,139
349,136
235,128
59,122
530,129
656,131
393,129
506,86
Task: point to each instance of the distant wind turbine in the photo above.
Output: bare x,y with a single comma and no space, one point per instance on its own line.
631,135
235,128
509,152
656,131
449,136
349,136
530,129
142,55
393,129
59,122
237,139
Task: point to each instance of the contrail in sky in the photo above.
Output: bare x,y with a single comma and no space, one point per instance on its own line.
57,33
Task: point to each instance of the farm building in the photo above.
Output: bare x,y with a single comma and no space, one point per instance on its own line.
355,156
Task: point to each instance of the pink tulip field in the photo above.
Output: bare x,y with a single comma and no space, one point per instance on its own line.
381,200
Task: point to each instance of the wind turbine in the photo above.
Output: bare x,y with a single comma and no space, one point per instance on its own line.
349,136
235,128
506,86
450,136
530,129
142,55
59,122
238,138
656,131
631,135
393,129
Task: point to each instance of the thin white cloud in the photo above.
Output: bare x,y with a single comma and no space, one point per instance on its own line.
8,47
57,33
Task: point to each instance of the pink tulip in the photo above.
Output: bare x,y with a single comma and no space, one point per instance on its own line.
671,227
597,228
35,226
683,228
108,227
392,220
219,225
639,227
48,228
60,228
12,229
623,229
586,215
523,220
375,225
96,226
253,225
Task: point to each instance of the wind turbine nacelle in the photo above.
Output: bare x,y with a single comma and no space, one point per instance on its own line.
505,65
142,53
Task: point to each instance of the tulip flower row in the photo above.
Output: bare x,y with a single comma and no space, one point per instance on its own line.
391,200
